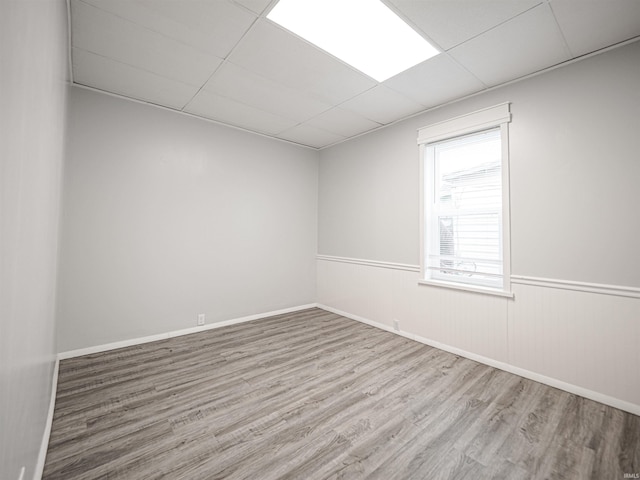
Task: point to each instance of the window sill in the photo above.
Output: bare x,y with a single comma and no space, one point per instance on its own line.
467,288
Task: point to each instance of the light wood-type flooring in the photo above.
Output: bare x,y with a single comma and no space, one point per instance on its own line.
313,395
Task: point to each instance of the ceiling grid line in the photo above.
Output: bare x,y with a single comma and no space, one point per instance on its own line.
564,39
226,62
92,5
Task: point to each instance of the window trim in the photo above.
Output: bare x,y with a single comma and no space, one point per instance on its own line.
491,117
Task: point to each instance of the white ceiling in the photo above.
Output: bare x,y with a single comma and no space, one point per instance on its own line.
223,60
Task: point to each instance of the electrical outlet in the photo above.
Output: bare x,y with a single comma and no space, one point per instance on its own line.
396,325
201,319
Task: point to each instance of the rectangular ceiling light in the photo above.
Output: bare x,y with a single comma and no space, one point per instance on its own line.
366,34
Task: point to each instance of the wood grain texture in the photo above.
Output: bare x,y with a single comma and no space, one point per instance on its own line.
313,395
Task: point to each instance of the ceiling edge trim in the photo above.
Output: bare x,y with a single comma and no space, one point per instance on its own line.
69,43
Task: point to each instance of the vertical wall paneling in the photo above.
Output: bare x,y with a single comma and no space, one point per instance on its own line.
582,341
469,321
582,338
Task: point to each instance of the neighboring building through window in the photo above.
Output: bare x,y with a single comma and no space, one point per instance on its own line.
465,210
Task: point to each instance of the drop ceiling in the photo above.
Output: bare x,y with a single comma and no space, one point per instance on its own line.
223,60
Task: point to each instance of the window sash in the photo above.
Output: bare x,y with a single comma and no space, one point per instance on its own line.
472,234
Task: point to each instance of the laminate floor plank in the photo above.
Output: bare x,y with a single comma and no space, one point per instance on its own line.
312,395
315,409
488,434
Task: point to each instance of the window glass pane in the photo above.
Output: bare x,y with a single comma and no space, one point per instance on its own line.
468,171
466,207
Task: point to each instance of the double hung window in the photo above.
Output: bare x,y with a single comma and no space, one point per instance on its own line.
465,208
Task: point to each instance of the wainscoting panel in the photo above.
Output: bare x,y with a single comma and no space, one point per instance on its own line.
359,289
582,341
472,322
475,323
586,339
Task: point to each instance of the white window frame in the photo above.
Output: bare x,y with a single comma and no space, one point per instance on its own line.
498,116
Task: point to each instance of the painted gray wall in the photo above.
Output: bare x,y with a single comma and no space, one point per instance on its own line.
167,216
574,149
33,69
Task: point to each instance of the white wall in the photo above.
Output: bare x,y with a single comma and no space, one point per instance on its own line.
167,216
574,176
33,69
574,147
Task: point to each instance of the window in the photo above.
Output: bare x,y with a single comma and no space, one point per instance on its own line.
465,209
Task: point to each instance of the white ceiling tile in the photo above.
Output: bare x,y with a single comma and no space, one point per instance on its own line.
229,111
382,105
523,45
256,6
252,89
281,56
108,35
115,77
342,122
438,80
169,52
590,25
449,23
213,27
310,136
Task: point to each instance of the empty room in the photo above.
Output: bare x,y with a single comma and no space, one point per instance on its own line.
319,239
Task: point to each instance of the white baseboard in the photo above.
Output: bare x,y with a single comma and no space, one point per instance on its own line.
176,333
552,382
575,389
44,445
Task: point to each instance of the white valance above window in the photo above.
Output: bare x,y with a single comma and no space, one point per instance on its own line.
464,124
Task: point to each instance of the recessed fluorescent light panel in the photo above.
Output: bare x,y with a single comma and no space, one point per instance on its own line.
366,34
